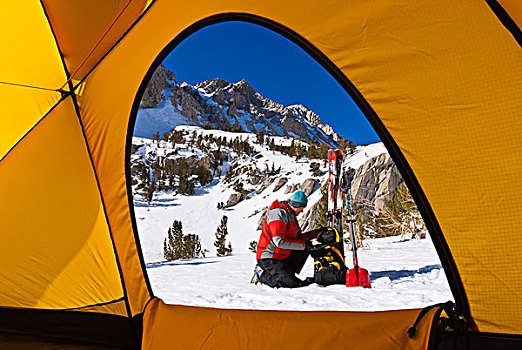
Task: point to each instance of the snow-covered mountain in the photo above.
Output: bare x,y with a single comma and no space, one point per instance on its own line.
245,177
218,104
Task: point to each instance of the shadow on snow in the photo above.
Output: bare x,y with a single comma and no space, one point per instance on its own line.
398,274
183,262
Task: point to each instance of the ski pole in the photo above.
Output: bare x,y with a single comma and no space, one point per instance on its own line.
352,236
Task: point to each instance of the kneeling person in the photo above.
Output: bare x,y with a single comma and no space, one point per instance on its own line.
281,250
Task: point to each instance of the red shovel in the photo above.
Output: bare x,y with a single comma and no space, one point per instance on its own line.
356,277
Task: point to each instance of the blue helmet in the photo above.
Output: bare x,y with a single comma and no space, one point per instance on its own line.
298,199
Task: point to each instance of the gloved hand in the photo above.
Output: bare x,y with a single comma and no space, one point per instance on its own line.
309,235
328,236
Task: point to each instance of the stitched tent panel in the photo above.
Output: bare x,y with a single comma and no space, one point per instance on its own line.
29,54
22,109
86,30
207,328
514,10
59,254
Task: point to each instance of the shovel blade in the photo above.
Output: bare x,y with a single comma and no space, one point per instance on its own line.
362,279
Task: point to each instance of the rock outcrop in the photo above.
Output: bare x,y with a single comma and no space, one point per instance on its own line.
375,182
161,79
308,186
279,183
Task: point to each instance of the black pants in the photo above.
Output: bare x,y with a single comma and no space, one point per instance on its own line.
281,273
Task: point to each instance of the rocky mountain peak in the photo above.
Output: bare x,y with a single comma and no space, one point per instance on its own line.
236,106
210,86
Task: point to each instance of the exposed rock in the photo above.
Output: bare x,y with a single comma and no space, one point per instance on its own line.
254,179
279,183
309,216
236,107
291,188
309,186
161,79
375,182
233,200
267,181
313,119
189,102
261,218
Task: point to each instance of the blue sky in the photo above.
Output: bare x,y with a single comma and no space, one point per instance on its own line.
274,66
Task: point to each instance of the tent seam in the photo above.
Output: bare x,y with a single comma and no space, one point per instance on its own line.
506,20
77,110
115,44
109,226
94,305
33,127
29,86
96,45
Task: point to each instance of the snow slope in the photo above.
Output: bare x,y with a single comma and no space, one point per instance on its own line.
405,274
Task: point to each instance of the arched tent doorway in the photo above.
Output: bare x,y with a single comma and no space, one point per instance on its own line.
441,77
230,18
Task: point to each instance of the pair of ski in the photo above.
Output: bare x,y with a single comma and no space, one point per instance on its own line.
339,184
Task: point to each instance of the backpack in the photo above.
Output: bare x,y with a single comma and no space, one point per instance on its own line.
329,265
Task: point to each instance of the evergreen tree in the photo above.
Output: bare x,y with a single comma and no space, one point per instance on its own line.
204,175
228,250
343,145
351,145
180,246
260,136
173,244
221,236
322,208
150,191
165,136
186,186
176,137
315,169
191,246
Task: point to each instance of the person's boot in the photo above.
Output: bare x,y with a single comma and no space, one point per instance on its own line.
307,281
257,274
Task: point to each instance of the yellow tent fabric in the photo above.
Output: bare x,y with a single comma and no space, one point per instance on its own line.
440,81
207,328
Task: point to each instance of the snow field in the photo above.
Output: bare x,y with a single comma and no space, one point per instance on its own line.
405,274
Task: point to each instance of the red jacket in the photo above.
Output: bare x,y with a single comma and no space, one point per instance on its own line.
280,233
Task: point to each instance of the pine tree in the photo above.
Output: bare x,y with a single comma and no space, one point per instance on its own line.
351,145
228,250
322,208
180,246
165,136
150,191
260,136
315,169
173,244
191,246
186,186
204,175
221,236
